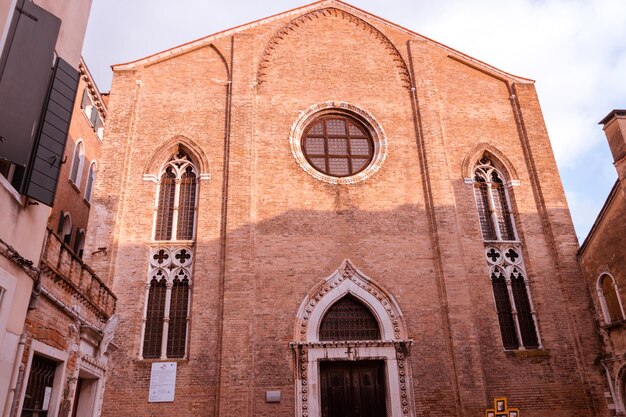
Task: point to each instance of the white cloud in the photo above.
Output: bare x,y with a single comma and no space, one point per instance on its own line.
575,49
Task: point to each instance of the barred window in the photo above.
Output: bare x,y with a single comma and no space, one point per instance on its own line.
516,317
349,319
176,202
608,295
337,145
494,213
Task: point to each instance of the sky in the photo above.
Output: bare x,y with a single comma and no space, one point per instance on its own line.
575,50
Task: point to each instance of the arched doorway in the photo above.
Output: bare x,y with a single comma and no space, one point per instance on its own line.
351,350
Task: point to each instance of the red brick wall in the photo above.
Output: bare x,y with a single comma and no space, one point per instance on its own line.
412,226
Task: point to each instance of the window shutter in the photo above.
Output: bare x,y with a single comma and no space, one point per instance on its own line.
25,69
46,163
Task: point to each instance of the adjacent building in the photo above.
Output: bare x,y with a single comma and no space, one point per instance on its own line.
322,211
603,260
55,313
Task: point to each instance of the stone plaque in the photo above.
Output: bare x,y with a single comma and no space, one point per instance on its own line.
162,382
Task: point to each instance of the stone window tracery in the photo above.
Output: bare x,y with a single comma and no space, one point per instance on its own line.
166,313
349,319
168,290
496,220
516,315
176,202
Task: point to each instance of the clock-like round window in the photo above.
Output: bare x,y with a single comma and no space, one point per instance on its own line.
337,145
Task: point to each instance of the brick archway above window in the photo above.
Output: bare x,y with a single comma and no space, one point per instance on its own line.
370,131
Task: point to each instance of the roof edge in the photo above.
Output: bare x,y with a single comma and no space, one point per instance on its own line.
610,198
197,43
612,114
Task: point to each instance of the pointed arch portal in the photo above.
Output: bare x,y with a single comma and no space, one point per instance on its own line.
350,294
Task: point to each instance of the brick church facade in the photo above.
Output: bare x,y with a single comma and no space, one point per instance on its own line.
322,213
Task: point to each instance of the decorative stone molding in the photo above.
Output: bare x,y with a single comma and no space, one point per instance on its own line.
393,347
395,55
169,148
339,107
477,152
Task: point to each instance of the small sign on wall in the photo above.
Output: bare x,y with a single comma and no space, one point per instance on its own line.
162,382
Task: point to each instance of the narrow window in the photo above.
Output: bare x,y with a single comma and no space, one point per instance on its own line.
79,243
65,227
39,388
176,204
504,309
78,159
513,302
91,178
491,197
177,334
609,299
168,293
154,316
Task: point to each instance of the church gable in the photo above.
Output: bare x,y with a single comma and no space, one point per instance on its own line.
334,40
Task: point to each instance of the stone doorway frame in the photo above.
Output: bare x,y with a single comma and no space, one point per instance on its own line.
392,348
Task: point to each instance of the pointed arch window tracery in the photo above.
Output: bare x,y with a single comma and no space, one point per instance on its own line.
516,315
349,319
168,290
176,203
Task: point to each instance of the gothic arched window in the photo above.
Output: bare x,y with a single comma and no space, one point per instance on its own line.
496,221
608,295
168,290
349,319
511,293
176,202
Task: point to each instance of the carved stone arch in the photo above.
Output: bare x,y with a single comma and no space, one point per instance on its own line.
393,348
501,161
169,148
349,280
275,40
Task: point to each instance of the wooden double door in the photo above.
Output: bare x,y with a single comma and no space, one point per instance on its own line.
353,389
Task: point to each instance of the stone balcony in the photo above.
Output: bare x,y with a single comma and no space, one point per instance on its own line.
73,282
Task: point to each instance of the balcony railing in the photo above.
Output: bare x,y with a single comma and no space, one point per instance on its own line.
65,268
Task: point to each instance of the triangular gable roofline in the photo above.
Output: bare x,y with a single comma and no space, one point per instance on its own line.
186,47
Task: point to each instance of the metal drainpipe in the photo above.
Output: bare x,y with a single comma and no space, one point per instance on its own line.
16,376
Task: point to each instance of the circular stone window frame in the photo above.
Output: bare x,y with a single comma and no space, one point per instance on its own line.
375,129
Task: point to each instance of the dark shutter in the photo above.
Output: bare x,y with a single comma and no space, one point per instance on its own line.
43,172
25,69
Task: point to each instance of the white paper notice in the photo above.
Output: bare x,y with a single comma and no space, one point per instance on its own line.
162,382
47,393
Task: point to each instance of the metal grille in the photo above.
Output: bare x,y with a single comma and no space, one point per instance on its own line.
154,319
348,319
165,210
503,306
177,333
524,314
501,207
40,380
338,146
481,194
610,298
186,205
